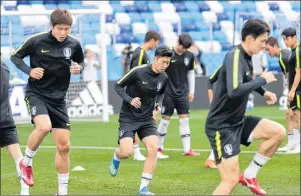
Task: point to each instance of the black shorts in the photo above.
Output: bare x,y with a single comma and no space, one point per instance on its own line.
296,103
143,129
57,112
181,104
226,142
8,136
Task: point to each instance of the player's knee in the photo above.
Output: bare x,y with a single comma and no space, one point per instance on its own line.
124,154
231,180
280,132
166,118
63,148
152,149
45,128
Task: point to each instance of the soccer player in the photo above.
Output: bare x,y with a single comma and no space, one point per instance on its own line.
179,92
140,57
227,126
284,55
293,98
145,86
53,56
8,132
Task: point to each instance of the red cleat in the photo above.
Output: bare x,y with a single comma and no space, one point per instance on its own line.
210,164
252,184
26,173
191,153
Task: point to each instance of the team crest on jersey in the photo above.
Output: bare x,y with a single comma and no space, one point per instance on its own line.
186,61
67,53
34,110
159,86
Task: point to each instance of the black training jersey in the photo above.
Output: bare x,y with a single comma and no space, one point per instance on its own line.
177,71
234,84
294,63
55,58
139,57
144,83
6,117
284,58
212,79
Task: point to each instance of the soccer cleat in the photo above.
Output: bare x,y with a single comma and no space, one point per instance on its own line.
160,154
26,173
144,191
210,164
191,153
296,150
114,166
252,184
139,157
285,148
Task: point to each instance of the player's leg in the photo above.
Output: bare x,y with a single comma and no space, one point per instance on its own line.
9,138
272,134
149,136
137,154
43,126
166,111
210,162
125,140
290,132
182,106
296,130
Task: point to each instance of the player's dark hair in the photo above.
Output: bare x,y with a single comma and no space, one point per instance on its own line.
185,40
289,32
163,51
254,27
61,16
272,41
152,35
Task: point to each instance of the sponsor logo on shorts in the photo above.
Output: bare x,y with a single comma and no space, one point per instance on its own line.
121,133
228,149
34,110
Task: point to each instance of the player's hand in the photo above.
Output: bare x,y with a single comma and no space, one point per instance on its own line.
136,102
270,97
291,95
268,76
190,97
155,112
37,73
75,68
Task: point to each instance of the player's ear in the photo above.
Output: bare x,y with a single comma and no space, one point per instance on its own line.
51,26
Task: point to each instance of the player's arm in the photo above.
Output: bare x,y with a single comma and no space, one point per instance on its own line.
77,63
160,96
235,74
20,53
295,85
127,79
210,83
191,78
137,60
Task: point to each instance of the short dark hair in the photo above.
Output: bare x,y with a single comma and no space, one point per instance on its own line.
289,32
61,16
254,27
163,51
152,35
272,41
185,40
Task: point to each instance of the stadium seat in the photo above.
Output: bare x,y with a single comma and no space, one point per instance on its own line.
126,3
171,17
9,3
189,26
167,7
109,18
139,28
142,8
185,17
154,6
209,16
107,40
170,38
226,46
105,8
117,8
125,28
197,16
153,26
64,5
191,6
215,6
273,6
226,25
122,18
112,28
50,6
222,16
220,36
147,16
180,7
130,8
203,6
32,2
135,17
140,38
195,35
216,26
202,26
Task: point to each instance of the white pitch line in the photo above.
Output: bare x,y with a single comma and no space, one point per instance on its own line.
165,149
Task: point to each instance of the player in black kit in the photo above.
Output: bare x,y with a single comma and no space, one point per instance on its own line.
54,55
8,132
227,127
145,86
179,92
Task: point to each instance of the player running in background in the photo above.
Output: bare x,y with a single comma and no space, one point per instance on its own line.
145,86
140,57
284,55
179,92
8,132
227,127
54,55
293,98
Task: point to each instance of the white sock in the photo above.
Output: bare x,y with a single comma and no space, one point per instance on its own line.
211,156
136,149
296,140
185,133
145,180
24,186
28,156
255,165
162,130
291,138
115,157
63,183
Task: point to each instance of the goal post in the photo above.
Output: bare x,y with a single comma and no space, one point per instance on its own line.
102,47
